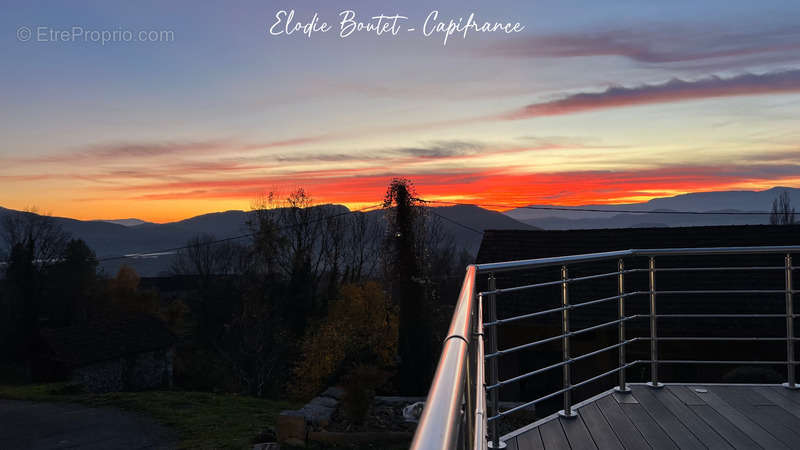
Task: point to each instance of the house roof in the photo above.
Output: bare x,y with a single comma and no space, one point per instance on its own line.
108,338
509,245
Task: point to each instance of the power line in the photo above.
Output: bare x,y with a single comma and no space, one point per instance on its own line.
622,211
241,236
457,223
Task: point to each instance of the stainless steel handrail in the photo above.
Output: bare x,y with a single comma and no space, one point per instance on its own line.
588,257
441,424
456,411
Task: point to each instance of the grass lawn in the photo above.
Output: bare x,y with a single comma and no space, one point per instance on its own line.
202,420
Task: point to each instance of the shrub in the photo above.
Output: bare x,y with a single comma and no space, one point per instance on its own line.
360,385
361,328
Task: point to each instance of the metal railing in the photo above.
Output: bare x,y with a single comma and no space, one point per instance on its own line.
457,413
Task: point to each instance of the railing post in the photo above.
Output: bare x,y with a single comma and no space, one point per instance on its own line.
493,375
653,327
623,386
469,389
567,382
790,375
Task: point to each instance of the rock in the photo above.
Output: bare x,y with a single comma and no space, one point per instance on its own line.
317,414
267,446
291,428
334,392
397,401
328,402
412,412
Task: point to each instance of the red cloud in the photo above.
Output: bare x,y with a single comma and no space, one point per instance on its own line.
493,187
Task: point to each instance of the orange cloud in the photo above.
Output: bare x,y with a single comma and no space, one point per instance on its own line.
496,187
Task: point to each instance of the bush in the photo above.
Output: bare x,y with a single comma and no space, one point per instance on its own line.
361,328
198,369
359,391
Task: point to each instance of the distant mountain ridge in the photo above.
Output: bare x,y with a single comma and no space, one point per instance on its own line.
110,239
721,201
464,222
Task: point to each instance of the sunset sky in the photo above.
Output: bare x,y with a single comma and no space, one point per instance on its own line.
594,102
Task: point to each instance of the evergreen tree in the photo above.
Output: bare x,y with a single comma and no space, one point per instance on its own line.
405,275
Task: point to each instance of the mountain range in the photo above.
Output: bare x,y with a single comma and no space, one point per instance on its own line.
660,212
150,243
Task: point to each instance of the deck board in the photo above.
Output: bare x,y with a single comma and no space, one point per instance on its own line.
690,420
604,437
790,423
577,434
553,436
780,400
530,440
511,444
628,434
736,437
678,432
686,395
753,430
654,434
675,417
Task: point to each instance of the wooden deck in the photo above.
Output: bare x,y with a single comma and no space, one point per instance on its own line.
675,417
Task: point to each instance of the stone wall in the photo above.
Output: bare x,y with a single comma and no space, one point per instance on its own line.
149,370
106,376
130,373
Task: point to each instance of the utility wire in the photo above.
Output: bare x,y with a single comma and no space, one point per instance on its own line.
623,211
474,230
241,236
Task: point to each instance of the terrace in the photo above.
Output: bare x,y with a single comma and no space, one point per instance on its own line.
656,375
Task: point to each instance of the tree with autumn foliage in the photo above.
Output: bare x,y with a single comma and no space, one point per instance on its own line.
360,329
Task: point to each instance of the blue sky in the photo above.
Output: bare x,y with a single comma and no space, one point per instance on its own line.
222,111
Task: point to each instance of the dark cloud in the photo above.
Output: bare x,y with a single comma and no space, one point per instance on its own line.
443,149
672,91
661,45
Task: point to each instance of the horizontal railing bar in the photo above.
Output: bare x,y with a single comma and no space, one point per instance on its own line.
557,282
703,361
699,338
719,316
727,291
703,269
561,391
560,308
588,257
557,365
717,250
553,261
561,336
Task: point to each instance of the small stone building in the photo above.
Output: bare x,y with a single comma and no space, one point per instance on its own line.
128,353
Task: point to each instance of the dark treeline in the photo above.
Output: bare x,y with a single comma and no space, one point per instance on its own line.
316,296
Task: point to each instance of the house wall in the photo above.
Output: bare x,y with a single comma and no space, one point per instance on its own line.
131,373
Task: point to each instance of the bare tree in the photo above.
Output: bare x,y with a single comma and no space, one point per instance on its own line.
38,232
782,212
363,242
268,243
206,258
35,243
